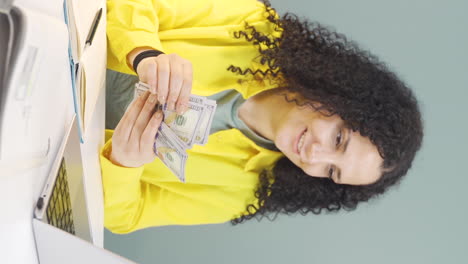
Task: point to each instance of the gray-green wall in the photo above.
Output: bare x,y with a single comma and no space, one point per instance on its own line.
425,219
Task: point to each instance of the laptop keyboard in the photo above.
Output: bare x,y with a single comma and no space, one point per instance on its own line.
59,212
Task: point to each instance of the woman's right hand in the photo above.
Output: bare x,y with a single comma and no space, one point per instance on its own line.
168,75
134,136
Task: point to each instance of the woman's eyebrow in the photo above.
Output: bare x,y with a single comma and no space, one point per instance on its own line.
345,146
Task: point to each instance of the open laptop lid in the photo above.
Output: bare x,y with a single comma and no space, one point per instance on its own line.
63,195
55,246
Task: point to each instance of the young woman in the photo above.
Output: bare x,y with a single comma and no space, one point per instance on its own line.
306,121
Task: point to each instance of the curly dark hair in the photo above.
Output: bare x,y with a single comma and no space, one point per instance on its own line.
325,67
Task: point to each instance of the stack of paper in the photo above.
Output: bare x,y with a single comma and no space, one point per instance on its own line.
35,94
86,26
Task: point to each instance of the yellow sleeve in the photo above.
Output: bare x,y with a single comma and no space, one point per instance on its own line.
149,23
121,188
131,24
131,204
158,206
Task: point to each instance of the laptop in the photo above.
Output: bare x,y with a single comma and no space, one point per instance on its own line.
30,95
60,223
62,200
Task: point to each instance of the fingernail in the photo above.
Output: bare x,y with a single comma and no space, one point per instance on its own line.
158,115
152,98
143,95
181,109
162,99
170,106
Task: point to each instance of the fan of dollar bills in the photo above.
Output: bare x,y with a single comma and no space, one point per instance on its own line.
178,133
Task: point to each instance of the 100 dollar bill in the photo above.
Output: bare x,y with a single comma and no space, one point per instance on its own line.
184,126
194,125
169,152
179,132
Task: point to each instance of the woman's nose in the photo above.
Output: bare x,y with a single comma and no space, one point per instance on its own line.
319,153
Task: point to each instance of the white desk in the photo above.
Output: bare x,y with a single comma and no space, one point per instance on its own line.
19,192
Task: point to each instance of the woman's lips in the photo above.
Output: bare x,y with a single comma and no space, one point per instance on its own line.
296,142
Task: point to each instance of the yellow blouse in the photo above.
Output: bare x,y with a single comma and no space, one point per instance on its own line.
221,177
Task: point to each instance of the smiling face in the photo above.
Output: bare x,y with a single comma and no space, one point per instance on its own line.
323,146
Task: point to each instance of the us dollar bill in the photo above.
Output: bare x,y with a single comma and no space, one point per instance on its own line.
178,133
140,88
192,127
203,131
169,151
184,126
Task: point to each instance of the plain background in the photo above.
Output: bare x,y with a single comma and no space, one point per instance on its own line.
424,220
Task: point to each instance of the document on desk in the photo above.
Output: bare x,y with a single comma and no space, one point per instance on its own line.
36,98
87,30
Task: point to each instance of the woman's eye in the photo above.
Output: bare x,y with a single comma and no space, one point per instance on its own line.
330,173
338,139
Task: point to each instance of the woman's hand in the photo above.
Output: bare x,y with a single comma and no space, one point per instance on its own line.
133,139
169,76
